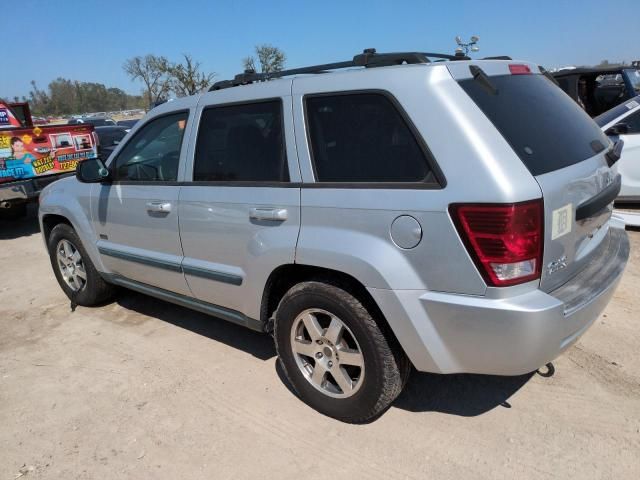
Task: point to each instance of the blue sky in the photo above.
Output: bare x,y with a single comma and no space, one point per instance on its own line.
88,40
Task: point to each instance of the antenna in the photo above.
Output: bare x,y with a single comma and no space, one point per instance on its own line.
464,47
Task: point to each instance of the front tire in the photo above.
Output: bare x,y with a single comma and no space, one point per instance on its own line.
335,354
74,269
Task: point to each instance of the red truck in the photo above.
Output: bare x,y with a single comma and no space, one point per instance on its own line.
33,156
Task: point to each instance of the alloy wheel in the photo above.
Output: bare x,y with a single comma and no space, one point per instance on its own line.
327,353
71,265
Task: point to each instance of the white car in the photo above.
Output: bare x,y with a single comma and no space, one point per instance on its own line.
623,122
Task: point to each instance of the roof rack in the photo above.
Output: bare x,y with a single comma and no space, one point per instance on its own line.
369,58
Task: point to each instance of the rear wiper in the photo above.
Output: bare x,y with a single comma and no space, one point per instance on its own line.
482,79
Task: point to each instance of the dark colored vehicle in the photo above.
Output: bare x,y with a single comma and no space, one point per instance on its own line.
597,90
127,123
95,121
110,137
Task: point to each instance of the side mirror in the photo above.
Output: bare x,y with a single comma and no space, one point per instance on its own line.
618,129
92,171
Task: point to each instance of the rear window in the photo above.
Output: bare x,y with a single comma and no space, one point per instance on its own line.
543,125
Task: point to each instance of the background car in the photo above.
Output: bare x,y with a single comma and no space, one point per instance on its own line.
623,122
110,137
128,124
599,89
95,121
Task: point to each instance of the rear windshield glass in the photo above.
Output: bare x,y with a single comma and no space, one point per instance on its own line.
611,115
544,126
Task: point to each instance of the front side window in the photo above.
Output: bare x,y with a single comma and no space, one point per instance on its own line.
241,143
361,137
153,154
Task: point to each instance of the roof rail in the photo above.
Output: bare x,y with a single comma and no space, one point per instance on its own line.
369,58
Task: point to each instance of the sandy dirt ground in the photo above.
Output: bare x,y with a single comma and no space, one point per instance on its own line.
144,389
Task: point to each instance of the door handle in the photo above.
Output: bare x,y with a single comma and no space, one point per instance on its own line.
163,207
272,214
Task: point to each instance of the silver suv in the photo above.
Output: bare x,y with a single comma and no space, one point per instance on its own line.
389,212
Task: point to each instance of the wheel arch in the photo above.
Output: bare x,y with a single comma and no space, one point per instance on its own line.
49,222
286,276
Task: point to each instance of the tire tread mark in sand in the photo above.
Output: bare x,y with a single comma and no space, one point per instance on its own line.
603,371
368,467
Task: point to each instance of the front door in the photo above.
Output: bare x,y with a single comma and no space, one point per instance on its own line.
240,218
136,217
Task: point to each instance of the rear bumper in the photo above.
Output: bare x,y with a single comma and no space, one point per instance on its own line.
450,333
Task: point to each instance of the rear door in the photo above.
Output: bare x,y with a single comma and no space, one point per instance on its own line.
240,209
562,148
136,216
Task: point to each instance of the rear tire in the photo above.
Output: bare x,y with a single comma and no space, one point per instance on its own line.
74,269
335,355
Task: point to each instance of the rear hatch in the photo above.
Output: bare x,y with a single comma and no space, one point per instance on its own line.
562,148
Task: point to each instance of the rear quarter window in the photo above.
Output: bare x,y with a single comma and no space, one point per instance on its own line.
543,125
363,138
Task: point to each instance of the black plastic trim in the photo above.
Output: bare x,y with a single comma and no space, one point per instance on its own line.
598,202
212,275
369,58
152,262
227,314
199,183
215,275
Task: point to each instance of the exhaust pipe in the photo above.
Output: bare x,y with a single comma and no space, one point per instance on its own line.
5,204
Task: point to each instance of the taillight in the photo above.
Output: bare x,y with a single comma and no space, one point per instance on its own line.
519,69
504,240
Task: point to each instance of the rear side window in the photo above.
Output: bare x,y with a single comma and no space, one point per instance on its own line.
242,143
362,137
543,125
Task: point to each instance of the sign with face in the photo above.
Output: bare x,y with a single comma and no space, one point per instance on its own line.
28,153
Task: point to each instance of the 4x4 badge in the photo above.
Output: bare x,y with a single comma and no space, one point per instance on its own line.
556,265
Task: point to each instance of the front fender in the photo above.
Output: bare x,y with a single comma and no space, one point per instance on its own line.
71,199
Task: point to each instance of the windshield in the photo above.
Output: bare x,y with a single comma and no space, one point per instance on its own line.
543,125
616,112
634,78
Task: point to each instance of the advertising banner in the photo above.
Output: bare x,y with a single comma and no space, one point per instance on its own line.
34,152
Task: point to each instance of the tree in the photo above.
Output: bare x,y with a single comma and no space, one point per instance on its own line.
38,99
63,96
271,59
154,73
187,79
